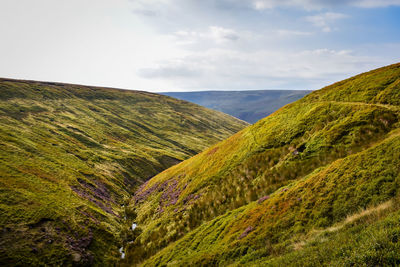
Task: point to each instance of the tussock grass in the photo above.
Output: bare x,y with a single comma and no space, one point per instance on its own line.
314,162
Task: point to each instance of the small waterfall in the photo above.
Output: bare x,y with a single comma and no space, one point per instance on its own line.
121,250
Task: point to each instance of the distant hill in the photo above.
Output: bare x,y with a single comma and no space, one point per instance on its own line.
70,157
249,106
315,183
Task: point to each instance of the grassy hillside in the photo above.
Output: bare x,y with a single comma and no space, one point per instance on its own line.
249,106
311,176
71,156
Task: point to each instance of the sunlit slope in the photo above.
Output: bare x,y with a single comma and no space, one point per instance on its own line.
292,217
320,132
70,155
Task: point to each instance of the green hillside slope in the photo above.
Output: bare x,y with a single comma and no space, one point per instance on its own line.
71,156
250,105
275,190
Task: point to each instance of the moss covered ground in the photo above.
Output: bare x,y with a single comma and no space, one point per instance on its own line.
71,157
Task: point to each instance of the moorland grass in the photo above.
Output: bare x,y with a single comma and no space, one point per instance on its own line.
72,155
305,167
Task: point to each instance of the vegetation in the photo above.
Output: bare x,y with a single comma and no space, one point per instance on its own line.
281,191
72,155
249,106
315,183
309,205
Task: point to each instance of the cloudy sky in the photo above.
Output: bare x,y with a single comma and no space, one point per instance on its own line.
191,45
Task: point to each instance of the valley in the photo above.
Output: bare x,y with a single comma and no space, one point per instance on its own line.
169,133
71,157
100,176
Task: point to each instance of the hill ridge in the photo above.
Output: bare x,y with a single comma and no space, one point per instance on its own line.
248,105
299,139
71,155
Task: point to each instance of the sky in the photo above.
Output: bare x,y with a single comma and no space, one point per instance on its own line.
194,45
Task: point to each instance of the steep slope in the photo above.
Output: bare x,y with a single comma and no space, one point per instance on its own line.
259,193
71,156
249,106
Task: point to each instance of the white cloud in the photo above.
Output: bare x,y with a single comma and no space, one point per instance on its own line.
304,4
376,3
148,8
174,70
164,45
159,5
232,69
289,33
325,20
218,35
319,4
222,35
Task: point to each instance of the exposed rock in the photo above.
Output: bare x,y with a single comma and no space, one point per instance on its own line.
262,199
246,232
76,257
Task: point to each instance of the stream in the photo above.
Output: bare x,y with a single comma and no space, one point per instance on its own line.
133,227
